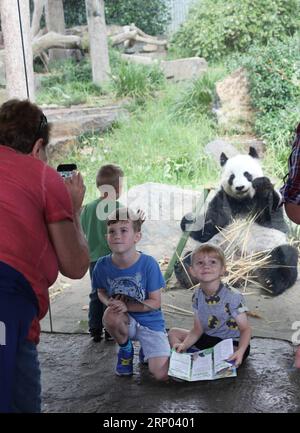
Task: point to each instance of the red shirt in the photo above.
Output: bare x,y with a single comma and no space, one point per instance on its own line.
32,195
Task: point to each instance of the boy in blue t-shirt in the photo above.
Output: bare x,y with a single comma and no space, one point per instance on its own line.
129,283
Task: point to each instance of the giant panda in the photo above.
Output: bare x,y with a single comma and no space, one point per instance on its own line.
246,193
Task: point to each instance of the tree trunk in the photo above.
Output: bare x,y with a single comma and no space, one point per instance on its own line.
55,22
18,49
98,40
36,16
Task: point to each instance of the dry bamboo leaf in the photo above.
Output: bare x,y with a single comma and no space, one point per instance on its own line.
254,314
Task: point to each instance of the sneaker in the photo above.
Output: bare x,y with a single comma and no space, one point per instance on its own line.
125,362
96,334
107,336
142,357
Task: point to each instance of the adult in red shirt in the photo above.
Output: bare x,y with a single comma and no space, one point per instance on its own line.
40,235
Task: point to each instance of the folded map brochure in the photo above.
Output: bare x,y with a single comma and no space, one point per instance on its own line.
208,364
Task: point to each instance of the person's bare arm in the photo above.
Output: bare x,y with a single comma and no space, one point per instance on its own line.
192,337
71,247
67,237
154,302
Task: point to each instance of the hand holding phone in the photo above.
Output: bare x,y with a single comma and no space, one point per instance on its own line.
66,170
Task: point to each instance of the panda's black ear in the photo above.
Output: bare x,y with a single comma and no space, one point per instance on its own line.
223,159
252,152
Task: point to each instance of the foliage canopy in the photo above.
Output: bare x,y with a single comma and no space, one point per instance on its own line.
216,28
151,16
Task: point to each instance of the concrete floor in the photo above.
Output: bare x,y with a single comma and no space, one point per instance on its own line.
78,375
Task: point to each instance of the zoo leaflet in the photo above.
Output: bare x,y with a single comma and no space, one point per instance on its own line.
208,364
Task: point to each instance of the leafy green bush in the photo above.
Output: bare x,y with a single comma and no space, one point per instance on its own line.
216,28
274,83
151,16
75,13
274,74
274,77
136,81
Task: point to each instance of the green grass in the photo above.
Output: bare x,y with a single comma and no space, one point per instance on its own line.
136,81
163,140
197,97
150,147
69,83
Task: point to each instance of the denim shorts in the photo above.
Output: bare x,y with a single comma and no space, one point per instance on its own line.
154,343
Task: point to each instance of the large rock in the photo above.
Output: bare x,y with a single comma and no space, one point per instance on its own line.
216,147
234,112
184,69
150,48
164,206
180,69
69,123
136,58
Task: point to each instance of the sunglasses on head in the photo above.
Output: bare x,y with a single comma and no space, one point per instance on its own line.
43,123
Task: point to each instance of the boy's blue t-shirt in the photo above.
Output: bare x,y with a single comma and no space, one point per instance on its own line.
137,281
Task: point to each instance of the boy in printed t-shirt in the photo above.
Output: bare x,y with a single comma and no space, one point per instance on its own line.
219,311
129,283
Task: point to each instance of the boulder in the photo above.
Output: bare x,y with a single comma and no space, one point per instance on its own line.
149,48
69,123
164,206
135,58
216,147
234,110
184,69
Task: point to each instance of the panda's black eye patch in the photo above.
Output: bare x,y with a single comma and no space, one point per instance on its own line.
230,180
248,176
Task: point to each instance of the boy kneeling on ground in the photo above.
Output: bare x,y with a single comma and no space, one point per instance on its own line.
129,283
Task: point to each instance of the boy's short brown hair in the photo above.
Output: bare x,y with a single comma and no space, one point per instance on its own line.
209,248
125,214
109,174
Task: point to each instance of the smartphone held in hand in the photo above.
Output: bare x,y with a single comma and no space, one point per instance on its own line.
66,170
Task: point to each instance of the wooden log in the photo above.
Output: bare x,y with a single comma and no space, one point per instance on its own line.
122,37
150,41
54,40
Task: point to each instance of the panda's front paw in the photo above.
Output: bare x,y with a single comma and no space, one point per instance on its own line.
186,221
262,184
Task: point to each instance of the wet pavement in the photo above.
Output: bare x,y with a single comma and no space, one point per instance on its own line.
78,376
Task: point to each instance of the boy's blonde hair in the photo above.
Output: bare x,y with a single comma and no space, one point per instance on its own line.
209,248
109,174
125,214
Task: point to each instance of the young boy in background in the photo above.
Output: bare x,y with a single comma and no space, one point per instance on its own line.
109,181
129,283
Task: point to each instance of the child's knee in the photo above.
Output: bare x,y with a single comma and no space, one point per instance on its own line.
159,369
160,375
110,318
